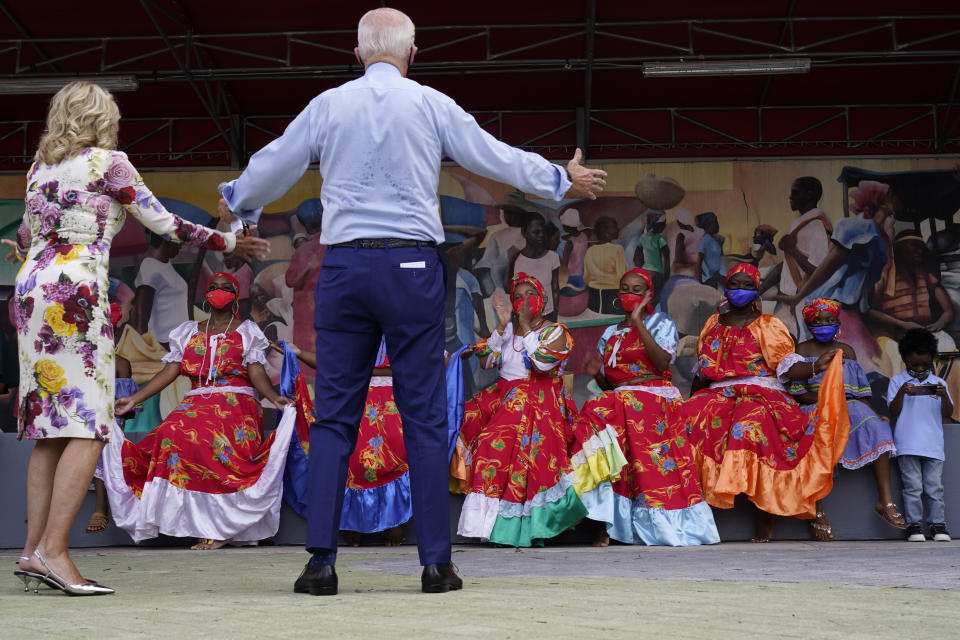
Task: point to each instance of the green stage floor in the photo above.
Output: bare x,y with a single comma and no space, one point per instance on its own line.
734,590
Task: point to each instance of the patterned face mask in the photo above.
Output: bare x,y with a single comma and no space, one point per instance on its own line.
536,305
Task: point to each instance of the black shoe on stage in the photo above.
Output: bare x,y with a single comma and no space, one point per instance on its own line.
319,581
440,578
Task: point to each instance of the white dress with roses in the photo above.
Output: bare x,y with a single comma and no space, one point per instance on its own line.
74,209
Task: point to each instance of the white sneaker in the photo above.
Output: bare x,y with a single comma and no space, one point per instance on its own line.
940,533
915,533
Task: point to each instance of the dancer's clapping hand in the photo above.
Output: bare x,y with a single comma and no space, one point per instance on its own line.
502,311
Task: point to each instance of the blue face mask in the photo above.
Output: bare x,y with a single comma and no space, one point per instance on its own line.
825,333
740,297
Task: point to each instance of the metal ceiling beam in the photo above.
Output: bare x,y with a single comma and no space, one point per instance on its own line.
26,34
584,119
188,76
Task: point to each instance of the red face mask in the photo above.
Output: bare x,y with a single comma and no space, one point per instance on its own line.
536,305
629,301
220,298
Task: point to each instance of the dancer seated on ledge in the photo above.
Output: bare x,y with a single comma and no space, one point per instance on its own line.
527,458
748,435
871,438
377,493
206,471
657,498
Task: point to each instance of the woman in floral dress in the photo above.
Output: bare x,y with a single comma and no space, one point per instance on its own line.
206,471
79,192
527,457
747,434
657,498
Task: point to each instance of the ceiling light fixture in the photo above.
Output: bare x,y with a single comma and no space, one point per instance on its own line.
52,84
693,68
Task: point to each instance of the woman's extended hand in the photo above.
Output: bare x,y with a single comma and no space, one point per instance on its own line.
500,308
123,405
12,256
281,402
248,247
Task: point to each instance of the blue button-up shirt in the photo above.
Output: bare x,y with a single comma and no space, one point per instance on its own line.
379,141
919,427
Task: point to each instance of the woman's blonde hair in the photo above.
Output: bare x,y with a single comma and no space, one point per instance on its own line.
82,115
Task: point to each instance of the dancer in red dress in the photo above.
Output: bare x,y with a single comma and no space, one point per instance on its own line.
748,435
205,471
527,458
657,498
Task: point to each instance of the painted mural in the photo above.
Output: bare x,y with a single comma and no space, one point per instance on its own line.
686,223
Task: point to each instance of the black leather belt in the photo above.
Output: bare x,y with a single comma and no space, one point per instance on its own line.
383,243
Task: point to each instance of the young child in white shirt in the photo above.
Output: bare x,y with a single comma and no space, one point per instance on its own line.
919,402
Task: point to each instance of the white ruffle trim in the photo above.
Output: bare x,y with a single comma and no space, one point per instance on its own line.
758,381
479,512
668,392
244,516
786,363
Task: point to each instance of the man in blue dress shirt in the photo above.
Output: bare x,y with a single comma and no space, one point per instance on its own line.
379,141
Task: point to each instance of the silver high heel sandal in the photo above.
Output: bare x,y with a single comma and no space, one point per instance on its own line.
83,589
30,578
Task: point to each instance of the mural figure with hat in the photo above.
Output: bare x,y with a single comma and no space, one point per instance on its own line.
749,436
206,471
909,295
871,438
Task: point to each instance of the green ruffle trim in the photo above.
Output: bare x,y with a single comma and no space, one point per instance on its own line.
542,524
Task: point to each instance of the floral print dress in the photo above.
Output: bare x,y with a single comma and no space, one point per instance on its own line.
657,498
73,211
748,435
206,471
528,459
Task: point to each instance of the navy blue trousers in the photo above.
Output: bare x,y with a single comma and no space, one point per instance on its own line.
361,294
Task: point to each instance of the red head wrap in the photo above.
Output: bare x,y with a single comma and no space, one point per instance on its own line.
813,308
525,278
233,281
750,270
647,279
747,268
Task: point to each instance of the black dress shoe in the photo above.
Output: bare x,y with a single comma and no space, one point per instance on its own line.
320,581
440,578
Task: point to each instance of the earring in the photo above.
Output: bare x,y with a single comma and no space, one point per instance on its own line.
205,306
236,307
